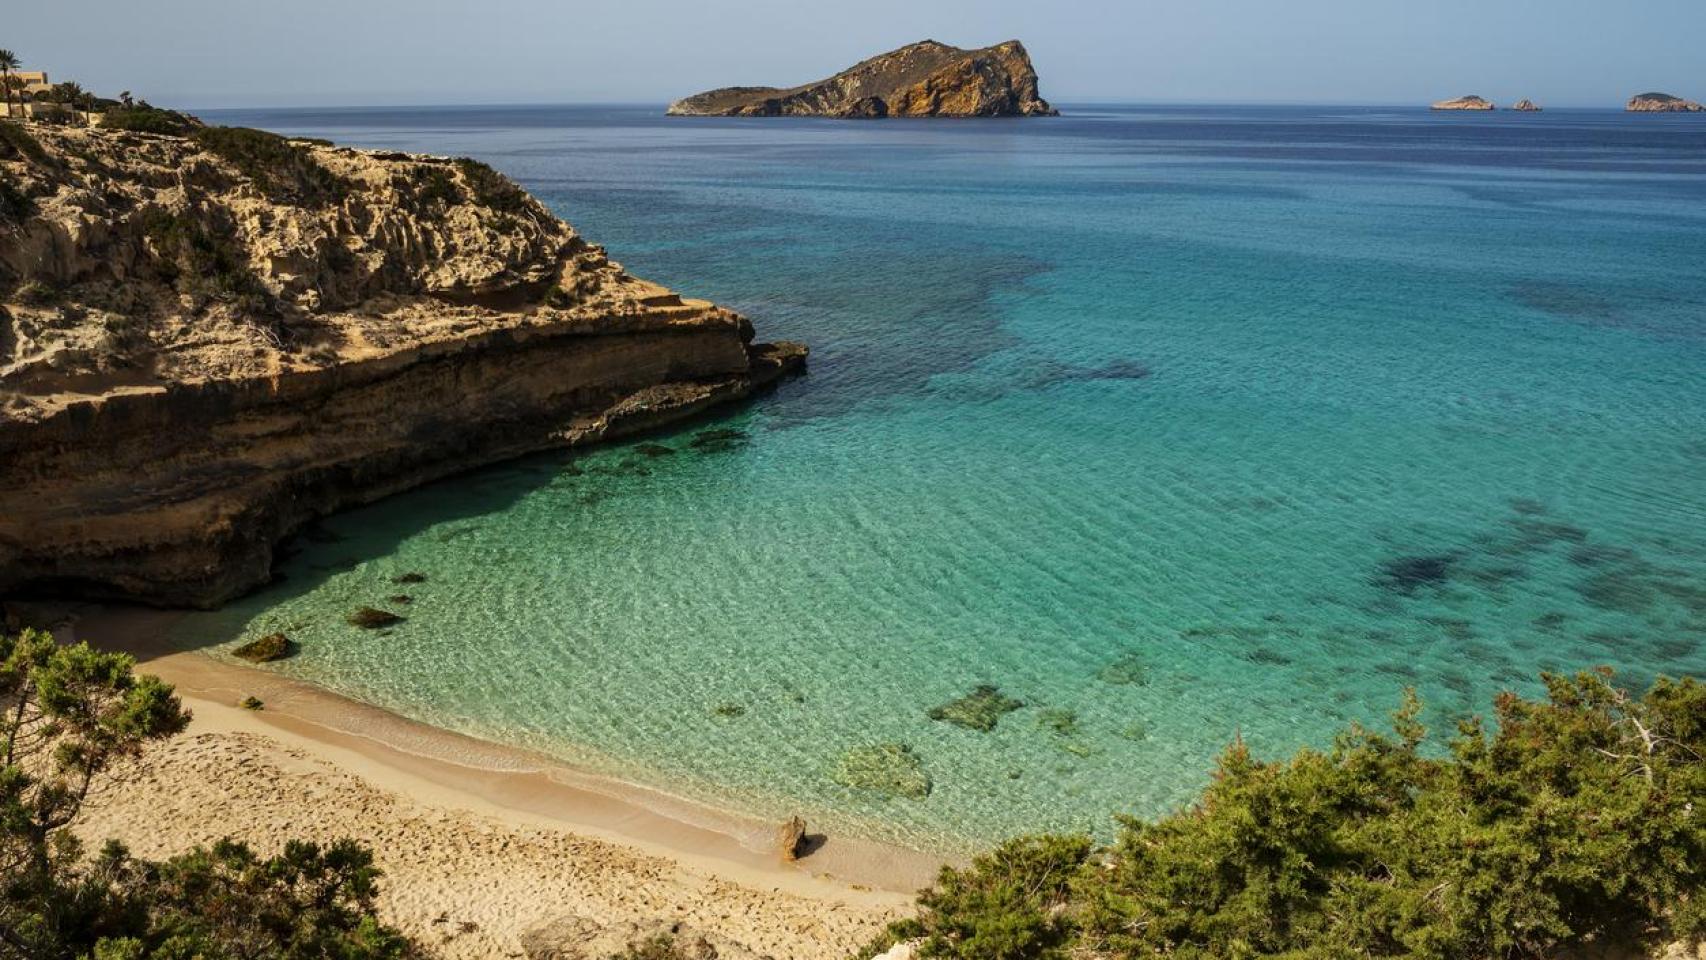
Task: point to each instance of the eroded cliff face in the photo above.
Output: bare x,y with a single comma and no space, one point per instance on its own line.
206,342
926,79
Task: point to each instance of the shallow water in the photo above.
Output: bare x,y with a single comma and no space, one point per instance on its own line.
1190,422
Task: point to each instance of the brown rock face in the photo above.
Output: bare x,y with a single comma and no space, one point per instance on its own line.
1526,106
1662,103
1466,103
926,79
206,342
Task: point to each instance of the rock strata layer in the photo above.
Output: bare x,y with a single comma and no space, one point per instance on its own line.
926,79
1466,103
1662,103
208,341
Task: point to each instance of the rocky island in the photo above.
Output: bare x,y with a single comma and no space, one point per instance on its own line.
1662,103
209,339
1526,105
1466,103
926,79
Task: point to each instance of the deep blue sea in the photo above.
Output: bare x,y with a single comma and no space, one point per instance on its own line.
1172,423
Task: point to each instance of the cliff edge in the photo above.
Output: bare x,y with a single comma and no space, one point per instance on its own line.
208,340
926,79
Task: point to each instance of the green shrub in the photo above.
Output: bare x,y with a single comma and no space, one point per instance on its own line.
16,143
146,119
72,716
285,172
1572,822
434,184
492,189
203,261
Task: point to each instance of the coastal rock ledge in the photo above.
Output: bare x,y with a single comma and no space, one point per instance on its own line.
207,341
925,79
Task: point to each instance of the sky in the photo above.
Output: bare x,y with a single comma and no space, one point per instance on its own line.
250,53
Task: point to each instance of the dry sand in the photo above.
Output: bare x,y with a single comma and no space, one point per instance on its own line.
479,843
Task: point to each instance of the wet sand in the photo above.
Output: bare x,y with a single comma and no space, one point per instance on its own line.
480,842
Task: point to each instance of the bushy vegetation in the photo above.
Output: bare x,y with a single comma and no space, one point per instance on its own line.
203,261
143,118
491,189
17,143
72,718
15,205
284,171
1574,820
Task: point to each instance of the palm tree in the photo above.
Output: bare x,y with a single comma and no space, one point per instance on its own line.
8,62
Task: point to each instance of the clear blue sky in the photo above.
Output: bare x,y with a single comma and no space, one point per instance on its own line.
210,53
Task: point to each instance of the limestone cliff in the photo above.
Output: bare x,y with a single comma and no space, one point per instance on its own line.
926,79
1662,103
1466,103
207,341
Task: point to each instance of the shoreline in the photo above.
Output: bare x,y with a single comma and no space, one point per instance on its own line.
391,750
717,870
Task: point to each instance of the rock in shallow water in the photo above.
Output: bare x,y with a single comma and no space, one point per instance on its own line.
273,646
891,769
980,709
372,618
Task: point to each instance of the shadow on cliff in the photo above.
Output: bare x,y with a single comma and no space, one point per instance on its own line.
442,512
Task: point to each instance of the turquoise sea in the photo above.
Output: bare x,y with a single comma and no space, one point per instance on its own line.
1172,423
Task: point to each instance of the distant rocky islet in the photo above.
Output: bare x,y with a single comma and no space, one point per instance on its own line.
924,79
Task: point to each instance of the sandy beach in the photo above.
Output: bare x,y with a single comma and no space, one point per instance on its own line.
480,844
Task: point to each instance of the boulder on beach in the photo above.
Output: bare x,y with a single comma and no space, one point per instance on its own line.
791,838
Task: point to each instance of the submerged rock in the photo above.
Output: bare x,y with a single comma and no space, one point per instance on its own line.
723,438
273,646
1128,670
926,79
372,618
1059,721
891,769
980,709
410,578
653,450
1406,575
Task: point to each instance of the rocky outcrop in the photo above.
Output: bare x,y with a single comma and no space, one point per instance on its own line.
208,341
926,79
1526,105
1662,103
1466,103
579,938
